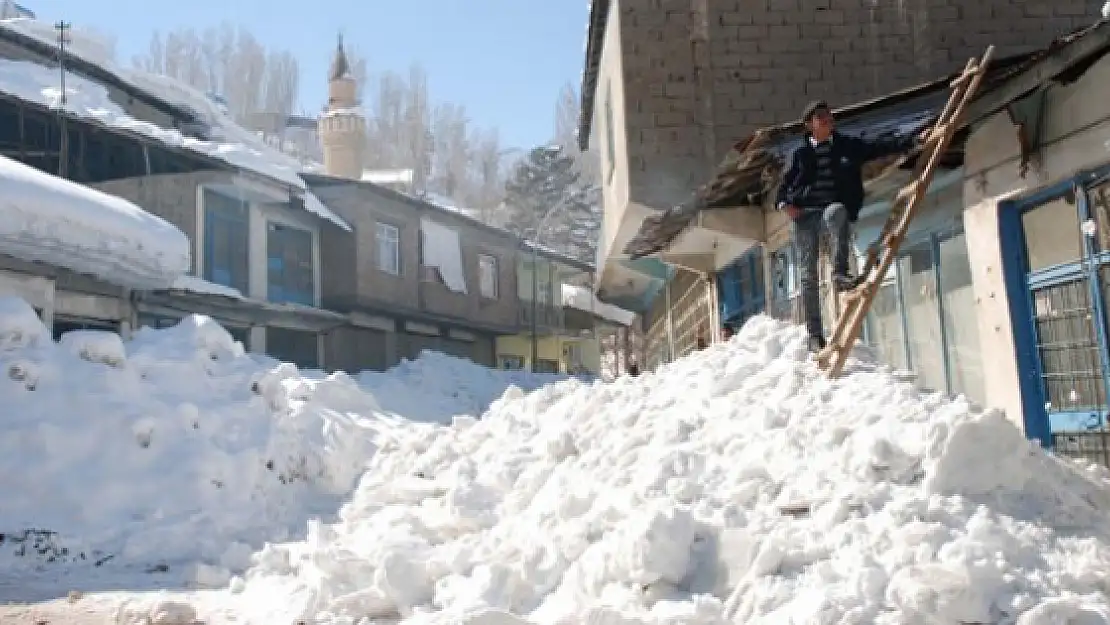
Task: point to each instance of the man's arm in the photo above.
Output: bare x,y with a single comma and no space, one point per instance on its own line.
871,149
788,189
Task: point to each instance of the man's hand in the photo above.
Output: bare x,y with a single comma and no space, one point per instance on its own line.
792,211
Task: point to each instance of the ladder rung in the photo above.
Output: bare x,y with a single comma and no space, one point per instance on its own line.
937,133
964,78
907,192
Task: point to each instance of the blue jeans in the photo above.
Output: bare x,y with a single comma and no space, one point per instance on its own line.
807,237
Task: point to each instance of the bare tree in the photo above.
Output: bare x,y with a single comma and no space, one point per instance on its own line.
405,128
567,109
257,84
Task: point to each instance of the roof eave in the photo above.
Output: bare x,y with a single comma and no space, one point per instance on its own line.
595,40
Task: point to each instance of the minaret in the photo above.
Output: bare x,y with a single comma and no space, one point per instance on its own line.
342,127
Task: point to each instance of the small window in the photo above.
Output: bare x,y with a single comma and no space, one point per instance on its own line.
487,276
389,249
511,363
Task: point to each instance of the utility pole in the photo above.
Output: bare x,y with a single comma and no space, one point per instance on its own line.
63,128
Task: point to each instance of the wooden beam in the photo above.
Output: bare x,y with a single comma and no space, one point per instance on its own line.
1040,72
742,223
701,264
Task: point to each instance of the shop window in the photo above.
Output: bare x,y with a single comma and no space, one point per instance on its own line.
544,365
885,332
964,358
296,346
922,309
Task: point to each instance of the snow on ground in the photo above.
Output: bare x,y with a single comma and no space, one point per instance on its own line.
734,486
737,485
45,218
177,454
237,146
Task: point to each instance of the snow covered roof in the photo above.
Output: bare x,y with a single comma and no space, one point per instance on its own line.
582,298
89,99
47,219
388,176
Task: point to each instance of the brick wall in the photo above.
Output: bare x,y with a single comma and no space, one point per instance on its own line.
701,74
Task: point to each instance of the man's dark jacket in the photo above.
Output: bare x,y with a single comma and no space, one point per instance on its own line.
849,154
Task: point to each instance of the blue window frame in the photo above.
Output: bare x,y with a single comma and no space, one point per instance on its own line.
1035,293
226,241
741,290
289,265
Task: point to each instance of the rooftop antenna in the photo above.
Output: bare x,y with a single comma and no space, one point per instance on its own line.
63,38
63,153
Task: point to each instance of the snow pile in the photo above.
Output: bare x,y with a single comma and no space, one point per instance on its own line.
468,388
45,218
734,486
174,452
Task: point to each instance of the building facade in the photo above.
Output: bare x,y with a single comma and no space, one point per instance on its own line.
668,91
323,271
999,292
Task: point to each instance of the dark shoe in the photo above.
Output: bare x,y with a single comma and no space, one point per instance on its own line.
816,344
844,283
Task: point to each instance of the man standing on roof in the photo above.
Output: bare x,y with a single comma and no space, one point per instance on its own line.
823,189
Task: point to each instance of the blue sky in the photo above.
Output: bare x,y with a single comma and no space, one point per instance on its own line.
504,60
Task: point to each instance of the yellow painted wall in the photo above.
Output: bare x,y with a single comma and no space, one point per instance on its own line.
550,348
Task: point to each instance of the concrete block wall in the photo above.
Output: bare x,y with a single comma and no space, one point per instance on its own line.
700,75
172,197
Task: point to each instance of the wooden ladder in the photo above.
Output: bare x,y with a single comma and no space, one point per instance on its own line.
883,253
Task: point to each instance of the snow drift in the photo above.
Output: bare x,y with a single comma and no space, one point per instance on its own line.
734,486
48,219
177,452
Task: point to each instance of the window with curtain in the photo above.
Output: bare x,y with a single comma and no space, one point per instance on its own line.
920,298
965,361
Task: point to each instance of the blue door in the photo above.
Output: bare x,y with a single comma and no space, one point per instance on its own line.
1061,328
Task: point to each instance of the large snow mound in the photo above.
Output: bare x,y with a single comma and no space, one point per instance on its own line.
178,453
738,485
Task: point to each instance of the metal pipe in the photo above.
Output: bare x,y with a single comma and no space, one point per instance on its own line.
535,296
535,271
